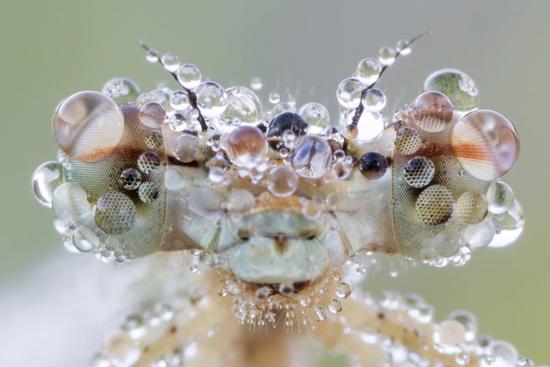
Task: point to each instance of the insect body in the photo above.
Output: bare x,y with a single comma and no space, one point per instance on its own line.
278,201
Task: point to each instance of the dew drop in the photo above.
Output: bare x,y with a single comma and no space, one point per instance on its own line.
189,75
335,306
45,179
211,99
85,239
368,71
387,55
187,148
317,117
274,98
456,85
403,47
374,100
500,197
243,106
170,61
349,93
282,181
152,115
121,90
246,146
312,157
256,84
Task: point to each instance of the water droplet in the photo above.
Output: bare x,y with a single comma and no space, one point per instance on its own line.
501,354
468,320
187,148
335,306
449,335
471,207
189,75
479,235
70,202
170,61
177,121
370,126
115,212
312,157
432,111
386,55
456,85
148,162
246,146
179,100
320,313
274,98
152,56
148,192
373,165
403,47
211,99
368,71
130,179
407,140
435,205
88,126
343,290
500,197
85,239
419,172
349,92
152,115
256,84
485,144
316,116
374,100
282,181
508,226
121,350
121,90
45,179
243,106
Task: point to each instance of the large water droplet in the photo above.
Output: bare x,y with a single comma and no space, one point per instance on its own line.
317,117
246,146
368,71
349,92
45,179
243,106
312,157
211,99
189,75
456,85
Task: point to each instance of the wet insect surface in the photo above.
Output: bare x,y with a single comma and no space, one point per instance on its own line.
273,206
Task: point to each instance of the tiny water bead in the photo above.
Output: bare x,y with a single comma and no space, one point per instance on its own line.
148,192
387,55
85,239
508,226
485,143
88,126
282,181
246,146
335,306
274,98
373,165
148,162
449,335
419,172
130,179
115,213
170,61
368,71
179,100
403,47
121,90
256,84
152,115
243,106
287,121
374,100
45,179
349,92
500,197
432,111
312,157
408,141
189,76
187,148
211,99
435,205
316,116
456,85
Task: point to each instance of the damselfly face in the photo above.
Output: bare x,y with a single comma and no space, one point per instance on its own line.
277,200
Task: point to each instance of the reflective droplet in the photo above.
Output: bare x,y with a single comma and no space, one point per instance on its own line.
148,192
373,165
70,202
115,213
88,126
343,290
85,239
407,141
471,207
386,55
170,61
342,170
121,90
274,98
419,172
152,115
370,126
374,100
289,139
449,335
282,181
500,354
256,84
349,92
508,226
173,179
189,75
312,157
179,100
148,162
246,146
335,306
468,321
211,99
45,179
187,148
316,116
479,235
368,71
485,143
435,205
243,106
130,179
432,111
456,85
500,197
403,47
177,121
287,121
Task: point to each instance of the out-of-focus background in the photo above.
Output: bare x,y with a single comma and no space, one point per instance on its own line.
51,49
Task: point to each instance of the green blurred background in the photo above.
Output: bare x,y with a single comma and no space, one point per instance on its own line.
51,49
